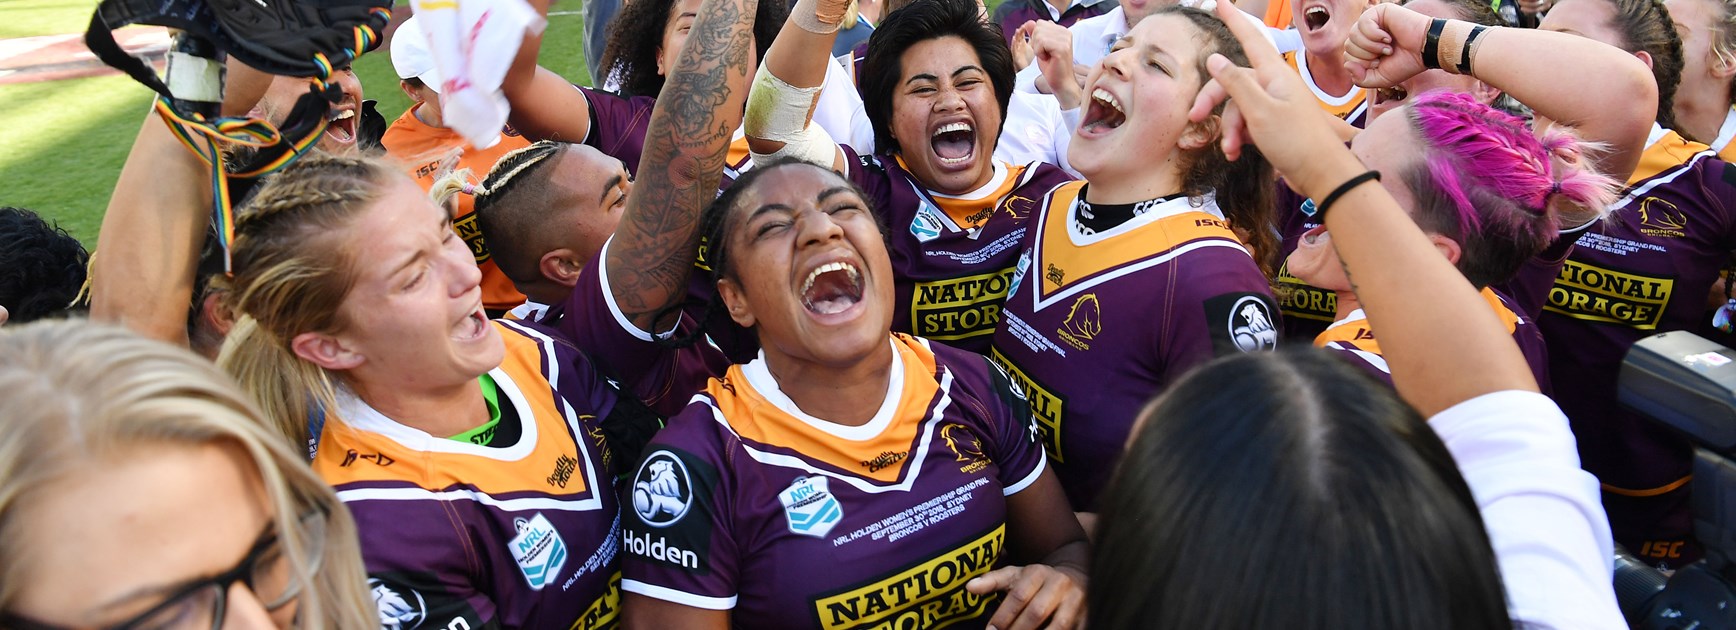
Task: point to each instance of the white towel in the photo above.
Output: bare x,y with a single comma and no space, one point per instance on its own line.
474,42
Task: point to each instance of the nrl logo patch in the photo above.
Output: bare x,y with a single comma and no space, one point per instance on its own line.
810,506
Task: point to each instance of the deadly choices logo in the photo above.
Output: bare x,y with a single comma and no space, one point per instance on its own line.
662,490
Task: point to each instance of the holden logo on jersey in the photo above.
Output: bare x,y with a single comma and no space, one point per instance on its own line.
398,612
539,550
1662,218
1084,322
810,506
662,490
1251,325
925,226
965,446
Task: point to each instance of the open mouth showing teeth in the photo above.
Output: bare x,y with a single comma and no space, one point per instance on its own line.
342,125
832,288
1316,236
1104,112
954,143
1316,17
473,326
1389,95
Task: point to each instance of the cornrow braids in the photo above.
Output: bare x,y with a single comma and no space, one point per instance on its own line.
1645,25
504,226
504,175
291,276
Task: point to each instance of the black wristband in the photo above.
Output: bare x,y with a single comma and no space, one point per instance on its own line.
1465,53
1347,186
1432,44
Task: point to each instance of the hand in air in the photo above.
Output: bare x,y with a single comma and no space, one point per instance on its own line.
1037,596
1267,104
1386,46
1052,49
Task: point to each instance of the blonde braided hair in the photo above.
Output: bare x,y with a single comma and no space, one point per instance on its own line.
291,277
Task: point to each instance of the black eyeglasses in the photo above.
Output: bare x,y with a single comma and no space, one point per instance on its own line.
200,605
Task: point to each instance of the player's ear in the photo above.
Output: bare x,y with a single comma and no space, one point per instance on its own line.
735,302
561,266
326,351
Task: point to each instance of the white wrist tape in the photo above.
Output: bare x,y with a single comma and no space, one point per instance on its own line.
820,17
776,110
814,147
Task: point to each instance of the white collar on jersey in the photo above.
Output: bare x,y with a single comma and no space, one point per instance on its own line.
358,414
1208,204
763,382
1335,101
984,191
1351,318
1726,132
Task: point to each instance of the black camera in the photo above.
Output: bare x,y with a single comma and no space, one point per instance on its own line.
1688,384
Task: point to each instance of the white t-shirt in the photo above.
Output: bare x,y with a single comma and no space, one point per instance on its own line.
1544,514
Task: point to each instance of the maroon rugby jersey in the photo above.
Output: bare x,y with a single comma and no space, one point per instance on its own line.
747,504
619,123
1097,324
1645,270
1352,340
664,379
952,255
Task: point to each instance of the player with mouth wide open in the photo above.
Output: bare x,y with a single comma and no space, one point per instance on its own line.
1150,266
849,476
936,82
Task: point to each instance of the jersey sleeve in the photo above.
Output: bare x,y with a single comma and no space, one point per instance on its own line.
664,378
1722,198
1222,306
614,119
677,541
866,173
1014,427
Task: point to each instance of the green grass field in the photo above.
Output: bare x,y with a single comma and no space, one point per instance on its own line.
62,143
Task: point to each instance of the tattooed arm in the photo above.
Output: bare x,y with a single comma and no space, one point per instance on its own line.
654,247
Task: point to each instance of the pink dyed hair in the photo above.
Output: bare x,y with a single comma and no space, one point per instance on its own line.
1488,183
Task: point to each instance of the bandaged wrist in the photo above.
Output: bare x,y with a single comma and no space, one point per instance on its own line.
1454,37
776,110
820,17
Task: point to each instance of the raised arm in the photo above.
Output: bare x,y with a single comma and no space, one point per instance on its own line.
147,258
544,105
155,224
1442,341
780,114
654,247
1545,70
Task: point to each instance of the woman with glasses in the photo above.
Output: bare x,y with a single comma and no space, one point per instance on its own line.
139,489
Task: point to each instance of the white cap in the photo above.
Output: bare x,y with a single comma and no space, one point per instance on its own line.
410,55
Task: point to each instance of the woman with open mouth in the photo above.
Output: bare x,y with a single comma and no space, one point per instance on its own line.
936,82
1149,267
478,457
1324,26
849,476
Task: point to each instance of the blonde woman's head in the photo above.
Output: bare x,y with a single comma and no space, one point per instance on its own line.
132,472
